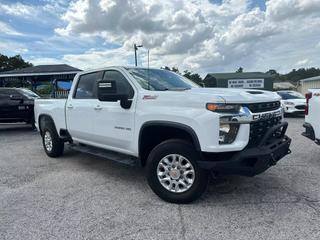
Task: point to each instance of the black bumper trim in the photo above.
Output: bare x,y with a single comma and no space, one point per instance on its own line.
253,161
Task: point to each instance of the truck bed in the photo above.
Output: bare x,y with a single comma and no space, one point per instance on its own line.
54,108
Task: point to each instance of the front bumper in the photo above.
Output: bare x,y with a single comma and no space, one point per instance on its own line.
252,161
293,110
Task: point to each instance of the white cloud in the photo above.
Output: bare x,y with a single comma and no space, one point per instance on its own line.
303,63
279,10
8,30
96,59
44,60
12,48
43,11
194,34
199,34
17,9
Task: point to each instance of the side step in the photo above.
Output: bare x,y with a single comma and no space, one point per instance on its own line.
114,156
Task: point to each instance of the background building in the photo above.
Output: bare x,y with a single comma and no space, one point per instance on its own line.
42,79
283,86
308,83
255,80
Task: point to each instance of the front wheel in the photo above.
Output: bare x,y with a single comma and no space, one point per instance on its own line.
173,173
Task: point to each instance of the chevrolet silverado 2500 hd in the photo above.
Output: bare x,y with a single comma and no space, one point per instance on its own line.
312,118
167,124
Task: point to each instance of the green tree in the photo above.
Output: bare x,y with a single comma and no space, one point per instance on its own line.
296,75
195,77
174,69
11,63
239,70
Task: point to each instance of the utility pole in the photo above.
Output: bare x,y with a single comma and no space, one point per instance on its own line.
135,46
148,58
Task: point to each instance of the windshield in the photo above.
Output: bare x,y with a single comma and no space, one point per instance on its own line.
290,95
160,80
28,93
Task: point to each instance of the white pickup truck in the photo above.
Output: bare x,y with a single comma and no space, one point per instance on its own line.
167,124
312,118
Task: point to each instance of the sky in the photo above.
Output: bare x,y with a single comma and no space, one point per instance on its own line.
198,35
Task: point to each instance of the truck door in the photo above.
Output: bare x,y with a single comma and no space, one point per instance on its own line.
80,107
11,105
114,125
4,105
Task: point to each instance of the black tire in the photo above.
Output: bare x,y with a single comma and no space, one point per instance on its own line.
57,144
187,150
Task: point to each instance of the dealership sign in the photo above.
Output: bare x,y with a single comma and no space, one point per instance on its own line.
246,83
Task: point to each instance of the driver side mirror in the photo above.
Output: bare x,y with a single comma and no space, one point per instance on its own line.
107,92
14,97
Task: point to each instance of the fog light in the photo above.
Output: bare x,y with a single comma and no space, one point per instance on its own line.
228,133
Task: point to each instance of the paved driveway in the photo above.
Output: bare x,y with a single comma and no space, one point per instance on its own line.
80,196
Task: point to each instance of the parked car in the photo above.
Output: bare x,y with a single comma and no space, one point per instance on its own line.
292,102
17,105
167,124
312,118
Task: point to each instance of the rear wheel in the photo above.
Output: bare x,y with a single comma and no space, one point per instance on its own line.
173,173
52,143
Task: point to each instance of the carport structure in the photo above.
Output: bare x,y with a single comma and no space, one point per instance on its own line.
40,78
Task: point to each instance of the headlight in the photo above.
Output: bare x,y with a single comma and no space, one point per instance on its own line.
223,108
228,133
288,103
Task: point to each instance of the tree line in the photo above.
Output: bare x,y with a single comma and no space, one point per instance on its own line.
11,63
293,76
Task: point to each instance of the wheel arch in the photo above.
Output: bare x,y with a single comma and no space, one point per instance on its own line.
45,118
168,130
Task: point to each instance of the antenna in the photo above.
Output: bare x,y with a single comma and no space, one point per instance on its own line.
148,69
148,58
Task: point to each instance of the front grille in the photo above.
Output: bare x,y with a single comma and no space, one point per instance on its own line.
263,107
301,107
259,129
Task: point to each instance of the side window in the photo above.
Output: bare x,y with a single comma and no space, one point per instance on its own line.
4,96
123,86
12,92
87,86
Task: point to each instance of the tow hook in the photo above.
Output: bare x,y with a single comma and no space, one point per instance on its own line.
273,161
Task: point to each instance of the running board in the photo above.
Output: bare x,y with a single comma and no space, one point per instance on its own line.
110,155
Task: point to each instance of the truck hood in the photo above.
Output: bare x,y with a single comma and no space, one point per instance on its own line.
237,95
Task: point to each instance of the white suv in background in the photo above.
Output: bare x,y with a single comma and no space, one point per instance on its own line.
292,102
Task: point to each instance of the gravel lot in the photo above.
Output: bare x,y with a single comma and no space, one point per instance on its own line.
80,196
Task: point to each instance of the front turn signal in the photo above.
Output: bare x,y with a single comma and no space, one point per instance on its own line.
223,108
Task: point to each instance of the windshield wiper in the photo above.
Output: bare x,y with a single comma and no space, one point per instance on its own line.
174,89
180,89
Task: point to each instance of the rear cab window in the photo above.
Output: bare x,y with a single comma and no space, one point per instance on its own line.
87,85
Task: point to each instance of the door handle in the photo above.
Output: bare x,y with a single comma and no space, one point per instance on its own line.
70,106
98,107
